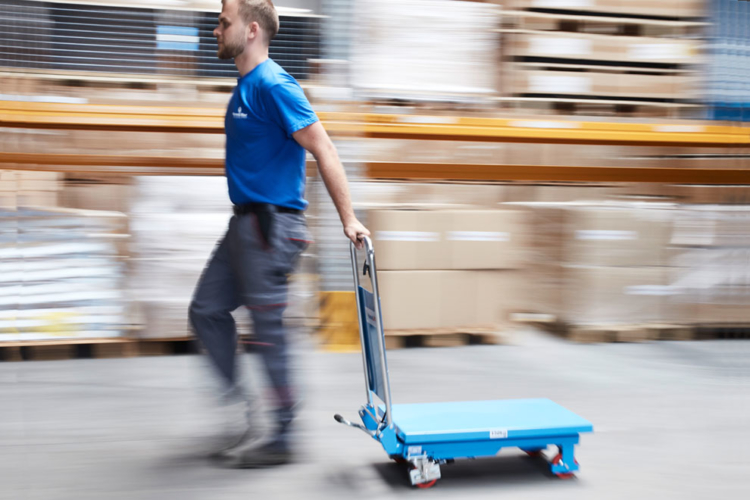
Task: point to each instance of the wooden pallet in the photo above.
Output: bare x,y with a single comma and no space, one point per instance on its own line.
94,348
723,331
576,106
590,333
577,18
443,337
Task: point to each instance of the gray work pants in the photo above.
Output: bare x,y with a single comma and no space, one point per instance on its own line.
248,270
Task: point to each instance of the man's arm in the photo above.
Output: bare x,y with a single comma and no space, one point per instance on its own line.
315,139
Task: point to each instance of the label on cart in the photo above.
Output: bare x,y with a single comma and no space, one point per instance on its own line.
498,434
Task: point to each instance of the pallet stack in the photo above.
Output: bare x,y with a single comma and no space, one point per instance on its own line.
176,223
424,50
62,275
28,188
635,271
448,272
600,267
621,56
711,278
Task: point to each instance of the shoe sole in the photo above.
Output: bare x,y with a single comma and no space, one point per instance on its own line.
264,465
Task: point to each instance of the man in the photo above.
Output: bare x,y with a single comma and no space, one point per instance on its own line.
269,124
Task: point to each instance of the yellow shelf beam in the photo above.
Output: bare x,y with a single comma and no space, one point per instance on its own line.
423,127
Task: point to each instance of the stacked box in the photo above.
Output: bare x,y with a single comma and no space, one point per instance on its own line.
62,274
400,50
592,47
451,269
711,277
176,223
577,52
600,263
534,82
29,188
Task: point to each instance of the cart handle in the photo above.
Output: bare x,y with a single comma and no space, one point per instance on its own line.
371,269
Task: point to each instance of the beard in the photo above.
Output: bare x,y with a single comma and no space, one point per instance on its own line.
230,50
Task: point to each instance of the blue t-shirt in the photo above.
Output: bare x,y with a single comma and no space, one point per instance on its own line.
264,164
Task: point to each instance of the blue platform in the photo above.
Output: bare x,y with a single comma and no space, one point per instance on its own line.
480,420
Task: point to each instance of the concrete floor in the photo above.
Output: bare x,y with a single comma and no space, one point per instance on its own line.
671,421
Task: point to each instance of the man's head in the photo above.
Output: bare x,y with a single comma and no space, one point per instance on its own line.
245,23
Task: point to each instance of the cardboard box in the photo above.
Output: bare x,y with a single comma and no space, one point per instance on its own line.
469,195
408,239
8,201
39,175
481,299
712,285
447,239
37,199
486,239
601,236
426,196
616,295
384,195
524,194
590,47
603,84
109,197
718,226
501,293
8,181
713,195
727,314
396,53
458,301
542,290
413,300
39,185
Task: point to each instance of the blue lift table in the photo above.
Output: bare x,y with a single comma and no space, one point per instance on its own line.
424,436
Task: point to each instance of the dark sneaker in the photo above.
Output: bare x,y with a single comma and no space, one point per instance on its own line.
250,439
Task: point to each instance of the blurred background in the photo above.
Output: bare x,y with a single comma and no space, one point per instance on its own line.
558,192
587,155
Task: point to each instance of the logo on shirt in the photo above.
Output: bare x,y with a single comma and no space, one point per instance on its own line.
239,113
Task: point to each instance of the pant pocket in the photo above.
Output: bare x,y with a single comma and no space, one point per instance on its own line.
292,239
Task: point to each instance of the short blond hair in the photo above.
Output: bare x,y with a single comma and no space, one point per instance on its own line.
262,12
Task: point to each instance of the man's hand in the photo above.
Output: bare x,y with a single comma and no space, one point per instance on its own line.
355,231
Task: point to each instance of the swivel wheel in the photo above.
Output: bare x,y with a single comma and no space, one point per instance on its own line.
562,475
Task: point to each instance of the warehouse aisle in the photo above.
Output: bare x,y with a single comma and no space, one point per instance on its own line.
670,419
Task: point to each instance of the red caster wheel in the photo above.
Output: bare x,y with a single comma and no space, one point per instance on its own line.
534,453
562,475
424,486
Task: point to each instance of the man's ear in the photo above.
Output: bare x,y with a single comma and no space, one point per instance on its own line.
253,30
